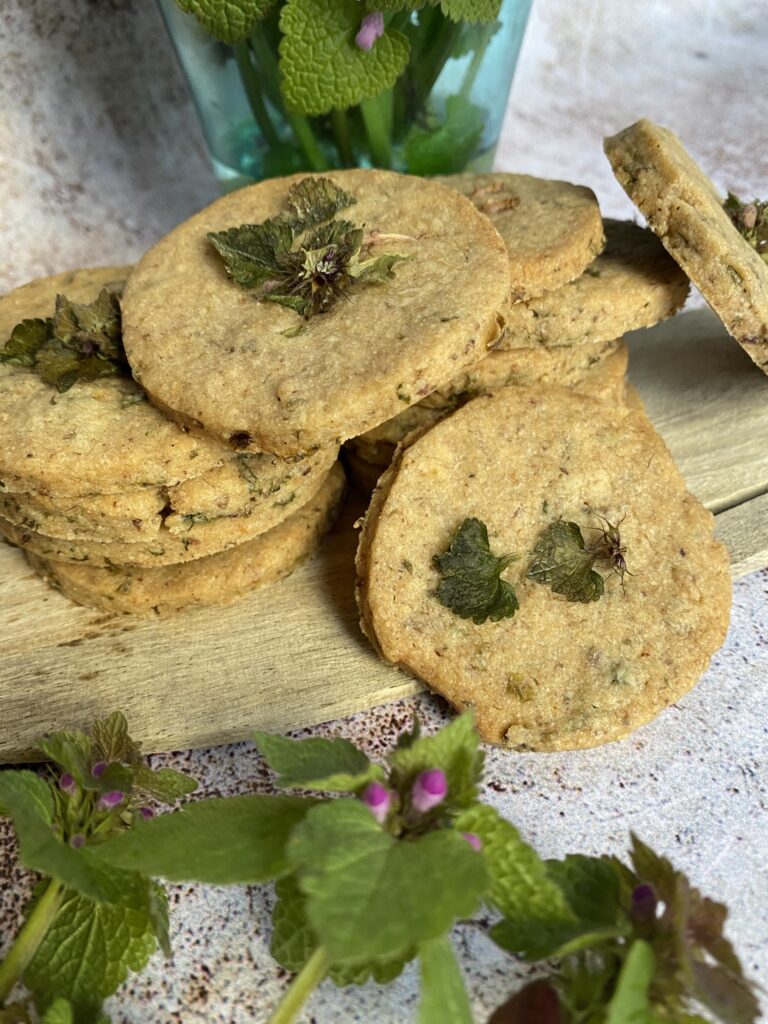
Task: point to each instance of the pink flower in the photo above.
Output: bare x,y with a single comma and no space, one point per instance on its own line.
378,798
430,788
371,28
112,799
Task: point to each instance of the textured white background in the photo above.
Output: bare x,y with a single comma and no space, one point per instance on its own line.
100,154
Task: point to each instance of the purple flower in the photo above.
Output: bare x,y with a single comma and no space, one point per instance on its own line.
98,769
371,28
77,840
146,812
644,903
429,789
67,783
111,799
473,840
378,799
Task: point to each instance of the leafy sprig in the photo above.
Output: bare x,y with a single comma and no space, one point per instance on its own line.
81,342
303,258
751,220
97,787
365,883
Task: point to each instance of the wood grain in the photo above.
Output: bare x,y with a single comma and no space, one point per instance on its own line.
293,654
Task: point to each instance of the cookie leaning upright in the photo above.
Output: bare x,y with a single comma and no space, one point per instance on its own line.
238,363
685,210
552,229
572,668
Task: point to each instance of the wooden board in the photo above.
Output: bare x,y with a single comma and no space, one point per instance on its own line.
293,654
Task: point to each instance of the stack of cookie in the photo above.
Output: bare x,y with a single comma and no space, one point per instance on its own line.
217,474
578,285
117,505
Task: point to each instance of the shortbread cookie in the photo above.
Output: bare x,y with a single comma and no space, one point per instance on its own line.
552,229
259,375
633,283
217,579
598,370
685,210
100,436
194,537
262,487
560,674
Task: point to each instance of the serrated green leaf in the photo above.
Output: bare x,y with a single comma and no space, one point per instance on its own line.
590,885
629,1003
370,896
455,749
163,784
26,339
322,66
219,841
112,741
231,21
751,221
444,998
562,562
29,803
250,251
59,1012
312,201
537,918
87,953
471,10
72,751
471,585
445,147
334,765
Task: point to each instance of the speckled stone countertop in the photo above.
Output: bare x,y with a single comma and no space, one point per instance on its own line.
100,154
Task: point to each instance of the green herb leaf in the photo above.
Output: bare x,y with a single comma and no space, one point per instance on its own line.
73,751
630,1003
455,749
333,765
26,340
313,201
370,896
471,10
339,74
445,147
751,220
472,586
228,20
591,887
562,561
301,259
82,342
164,784
28,801
537,918
59,1012
444,998
87,953
218,841
294,941
110,735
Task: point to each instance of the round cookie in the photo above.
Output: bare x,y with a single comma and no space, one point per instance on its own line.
247,485
685,210
552,229
558,675
100,436
260,376
217,579
196,537
633,283
592,369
